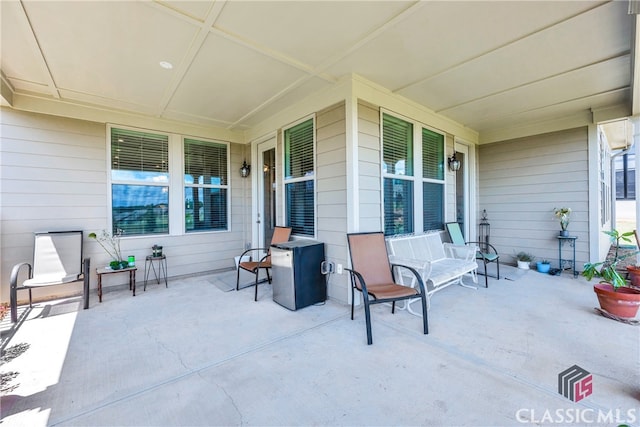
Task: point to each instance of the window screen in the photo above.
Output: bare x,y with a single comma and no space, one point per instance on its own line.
299,178
140,182
433,180
398,206
432,155
397,168
206,188
397,150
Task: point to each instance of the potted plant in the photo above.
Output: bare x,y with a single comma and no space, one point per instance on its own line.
563,215
634,275
111,245
524,258
614,295
543,266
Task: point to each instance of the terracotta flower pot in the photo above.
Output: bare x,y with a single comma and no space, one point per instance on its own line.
634,275
623,302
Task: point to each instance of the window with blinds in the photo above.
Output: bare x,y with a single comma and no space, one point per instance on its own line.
206,194
397,169
397,150
432,155
433,180
398,206
299,183
433,210
139,182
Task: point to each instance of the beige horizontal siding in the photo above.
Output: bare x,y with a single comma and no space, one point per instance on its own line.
331,197
522,180
54,177
369,179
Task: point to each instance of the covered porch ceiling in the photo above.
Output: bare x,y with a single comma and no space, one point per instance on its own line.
500,68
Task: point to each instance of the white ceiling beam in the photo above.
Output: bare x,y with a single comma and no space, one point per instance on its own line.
6,90
39,54
635,68
320,69
591,96
496,49
530,83
191,52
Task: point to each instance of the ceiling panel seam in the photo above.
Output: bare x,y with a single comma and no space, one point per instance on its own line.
556,104
319,70
496,49
40,54
533,82
187,61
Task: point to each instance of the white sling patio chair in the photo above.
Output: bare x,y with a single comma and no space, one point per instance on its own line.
57,260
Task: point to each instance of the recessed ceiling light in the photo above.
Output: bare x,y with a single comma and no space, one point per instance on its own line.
166,65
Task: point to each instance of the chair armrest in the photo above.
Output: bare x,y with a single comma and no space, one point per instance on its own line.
416,264
467,253
417,275
488,245
15,271
13,288
251,250
357,276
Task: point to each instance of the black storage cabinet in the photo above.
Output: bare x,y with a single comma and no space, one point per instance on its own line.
297,280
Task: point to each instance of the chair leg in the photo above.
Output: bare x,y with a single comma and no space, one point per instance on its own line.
268,277
352,300
14,303
30,299
367,315
498,268
425,322
255,298
238,279
486,277
393,307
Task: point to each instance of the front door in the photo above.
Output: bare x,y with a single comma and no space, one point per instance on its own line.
266,192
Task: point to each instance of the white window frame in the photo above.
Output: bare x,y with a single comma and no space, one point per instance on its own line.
416,178
225,186
416,166
442,182
175,182
286,180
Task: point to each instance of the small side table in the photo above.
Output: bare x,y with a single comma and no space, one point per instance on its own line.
571,263
132,278
160,273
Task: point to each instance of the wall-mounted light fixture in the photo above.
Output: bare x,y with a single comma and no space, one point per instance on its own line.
245,170
454,164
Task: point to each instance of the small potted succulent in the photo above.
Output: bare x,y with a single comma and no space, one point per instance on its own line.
524,258
543,266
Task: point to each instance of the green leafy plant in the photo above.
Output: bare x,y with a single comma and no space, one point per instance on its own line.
545,261
524,256
606,270
563,215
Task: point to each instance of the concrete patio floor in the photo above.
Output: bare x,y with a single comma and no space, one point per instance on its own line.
195,355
